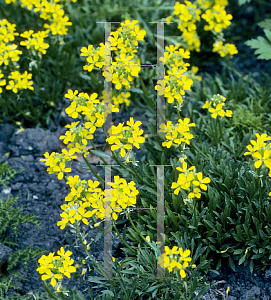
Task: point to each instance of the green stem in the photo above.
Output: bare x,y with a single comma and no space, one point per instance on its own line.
124,242
220,128
195,212
93,221
85,247
46,287
260,192
229,64
95,174
94,147
197,149
178,112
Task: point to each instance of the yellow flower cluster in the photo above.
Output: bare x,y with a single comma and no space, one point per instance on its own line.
35,41
188,15
224,50
217,18
213,12
92,111
19,81
175,259
50,11
7,31
125,137
260,151
2,82
76,137
54,267
177,133
123,43
175,85
180,79
95,57
9,56
122,193
122,71
74,211
190,180
119,99
126,37
57,162
217,101
84,195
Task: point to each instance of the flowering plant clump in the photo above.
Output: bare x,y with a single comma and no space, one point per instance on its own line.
125,137
176,134
217,101
190,180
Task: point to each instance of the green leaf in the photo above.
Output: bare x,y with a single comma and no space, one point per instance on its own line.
154,192
241,2
266,24
100,153
76,295
209,223
262,46
242,259
231,263
238,251
84,76
98,236
136,90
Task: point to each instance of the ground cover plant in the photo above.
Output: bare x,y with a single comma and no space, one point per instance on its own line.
216,196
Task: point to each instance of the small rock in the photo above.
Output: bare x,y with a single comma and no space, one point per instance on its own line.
255,291
4,253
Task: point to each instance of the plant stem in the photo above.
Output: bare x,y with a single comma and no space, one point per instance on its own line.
124,242
197,149
102,157
85,247
47,289
220,128
141,178
195,213
260,192
95,174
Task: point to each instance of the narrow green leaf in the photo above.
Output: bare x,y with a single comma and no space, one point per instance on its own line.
100,153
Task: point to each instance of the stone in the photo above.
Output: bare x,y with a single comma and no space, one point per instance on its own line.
4,253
